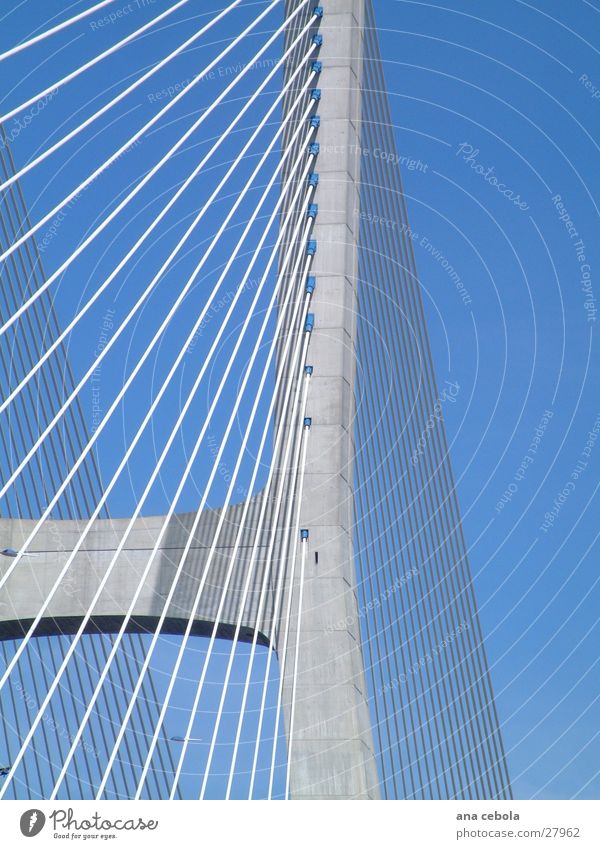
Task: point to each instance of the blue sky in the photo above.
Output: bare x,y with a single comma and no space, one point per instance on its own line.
503,86
497,103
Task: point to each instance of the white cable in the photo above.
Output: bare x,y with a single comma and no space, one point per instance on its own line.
193,531
150,411
55,29
114,338
58,582
147,126
250,569
146,234
304,546
282,466
280,321
282,652
278,592
140,185
153,70
105,495
98,593
186,550
145,355
7,782
174,433
92,62
226,582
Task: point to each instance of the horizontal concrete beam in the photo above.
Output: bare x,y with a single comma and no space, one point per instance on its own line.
28,587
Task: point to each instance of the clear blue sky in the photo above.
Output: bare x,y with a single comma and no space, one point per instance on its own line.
498,103
508,79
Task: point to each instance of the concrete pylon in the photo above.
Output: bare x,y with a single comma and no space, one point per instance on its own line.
332,753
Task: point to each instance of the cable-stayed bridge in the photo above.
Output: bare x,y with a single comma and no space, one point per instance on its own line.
244,574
